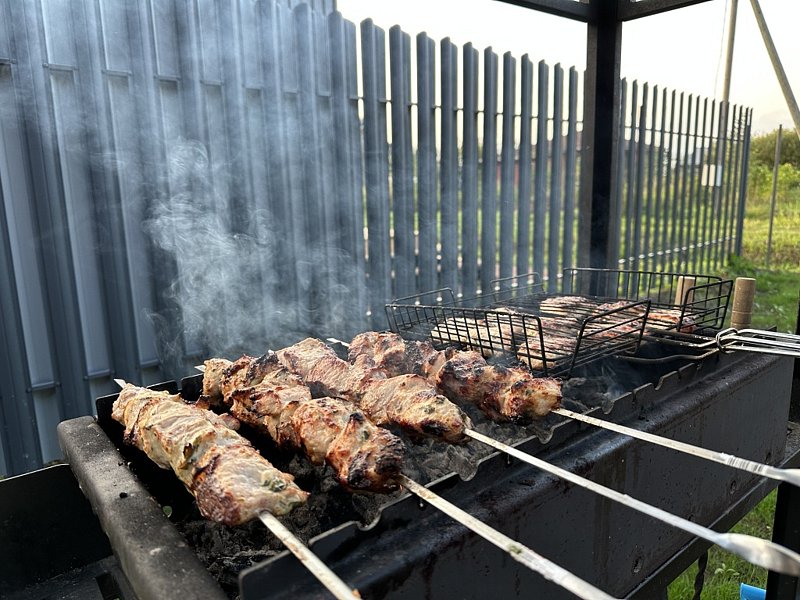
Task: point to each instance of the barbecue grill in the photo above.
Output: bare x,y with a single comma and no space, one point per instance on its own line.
736,403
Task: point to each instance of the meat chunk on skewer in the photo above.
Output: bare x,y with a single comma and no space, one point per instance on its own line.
408,401
223,376
231,482
362,455
502,393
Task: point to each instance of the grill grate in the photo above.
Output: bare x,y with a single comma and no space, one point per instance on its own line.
518,325
679,301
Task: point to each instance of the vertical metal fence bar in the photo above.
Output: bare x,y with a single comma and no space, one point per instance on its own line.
616,230
525,148
540,181
314,188
681,222
404,241
427,199
734,204
649,255
339,275
676,200
691,245
489,172
20,436
109,99
449,166
375,167
658,223
730,207
710,182
469,174
667,249
700,144
281,154
45,124
508,167
722,129
554,237
149,140
569,179
348,157
743,182
292,160
637,222
630,196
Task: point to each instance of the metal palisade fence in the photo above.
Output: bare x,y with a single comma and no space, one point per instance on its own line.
186,179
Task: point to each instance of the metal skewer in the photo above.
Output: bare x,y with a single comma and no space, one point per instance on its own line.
517,551
329,579
757,551
788,475
520,553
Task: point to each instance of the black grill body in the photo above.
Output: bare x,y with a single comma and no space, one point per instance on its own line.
733,403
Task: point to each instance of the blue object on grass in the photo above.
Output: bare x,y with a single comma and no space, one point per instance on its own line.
748,592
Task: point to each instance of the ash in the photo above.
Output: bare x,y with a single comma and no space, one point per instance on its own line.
225,551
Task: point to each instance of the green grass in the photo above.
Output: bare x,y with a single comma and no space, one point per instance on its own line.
726,571
777,290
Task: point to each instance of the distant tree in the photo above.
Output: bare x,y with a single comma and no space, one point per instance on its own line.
762,148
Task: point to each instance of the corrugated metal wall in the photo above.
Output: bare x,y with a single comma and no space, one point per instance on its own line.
185,178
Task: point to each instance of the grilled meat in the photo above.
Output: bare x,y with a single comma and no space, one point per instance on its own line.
222,376
502,393
408,401
670,318
231,482
362,455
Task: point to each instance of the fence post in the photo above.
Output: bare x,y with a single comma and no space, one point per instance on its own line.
775,168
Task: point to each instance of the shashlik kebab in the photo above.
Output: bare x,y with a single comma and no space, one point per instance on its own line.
230,481
503,393
757,551
397,355
385,348
220,381
407,400
265,395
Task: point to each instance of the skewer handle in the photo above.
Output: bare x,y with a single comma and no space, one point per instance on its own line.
319,569
523,554
744,290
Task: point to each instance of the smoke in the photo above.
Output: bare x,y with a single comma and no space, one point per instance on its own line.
218,286
237,289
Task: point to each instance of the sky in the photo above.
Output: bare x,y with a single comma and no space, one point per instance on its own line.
683,49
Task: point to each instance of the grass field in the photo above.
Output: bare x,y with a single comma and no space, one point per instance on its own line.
777,290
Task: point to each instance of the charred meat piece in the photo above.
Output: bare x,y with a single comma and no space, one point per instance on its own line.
231,482
362,455
222,376
502,393
412,403
409,402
